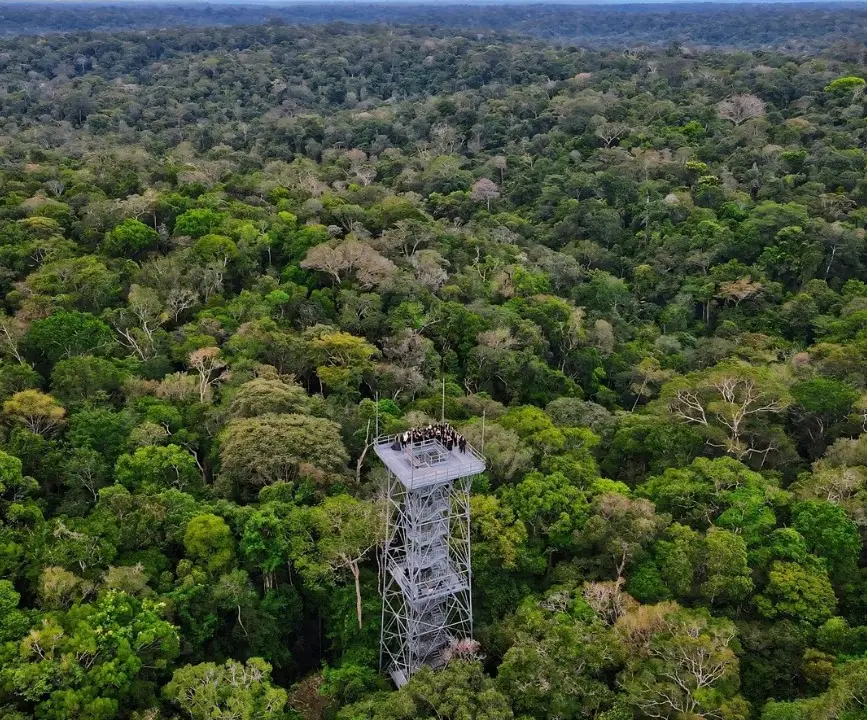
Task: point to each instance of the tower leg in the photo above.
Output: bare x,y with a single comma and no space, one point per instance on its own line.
427,602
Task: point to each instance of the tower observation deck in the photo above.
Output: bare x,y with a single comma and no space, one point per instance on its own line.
426,597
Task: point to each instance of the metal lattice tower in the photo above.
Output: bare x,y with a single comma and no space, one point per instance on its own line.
426,596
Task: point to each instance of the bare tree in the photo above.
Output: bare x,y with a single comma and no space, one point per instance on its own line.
174,278
675,658
137,323
740,108
180,299
727,402
368,443
138,206
646,374
500,338
500,162
430,269
485,189
209,365
608,599
366,174
348,258
405,237
445,139
611,131
360,167
12,331
55,187
405,360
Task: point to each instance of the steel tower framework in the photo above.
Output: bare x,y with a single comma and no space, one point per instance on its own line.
426,588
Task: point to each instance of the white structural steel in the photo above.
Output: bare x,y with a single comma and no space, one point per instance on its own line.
426,590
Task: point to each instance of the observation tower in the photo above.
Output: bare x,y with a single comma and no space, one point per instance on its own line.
426,598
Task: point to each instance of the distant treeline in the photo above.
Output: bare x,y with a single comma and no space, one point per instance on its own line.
794,26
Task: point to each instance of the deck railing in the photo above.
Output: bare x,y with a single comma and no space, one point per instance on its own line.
453,467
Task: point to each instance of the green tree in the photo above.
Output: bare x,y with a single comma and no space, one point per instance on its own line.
84,663
341,359
265,542
846,697
233,689
255,452
559,653
84,378
722,491
17,377
264,396
460,690
41,414
830,534
552,506
217,249
845,85
208,539
680,663
770,653
197,222
101,430
65,334
671,570
154,468
130,238
820,403
797,591
644,444
14,623
333,537
83,282
728,579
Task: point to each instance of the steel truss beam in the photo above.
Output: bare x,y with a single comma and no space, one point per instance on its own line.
427,572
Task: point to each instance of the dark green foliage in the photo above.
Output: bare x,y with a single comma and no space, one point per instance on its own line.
65,334
830,534
229,256
85,379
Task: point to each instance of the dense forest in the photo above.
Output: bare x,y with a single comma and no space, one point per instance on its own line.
227,254
802,26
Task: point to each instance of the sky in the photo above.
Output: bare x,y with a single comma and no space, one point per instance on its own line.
426,2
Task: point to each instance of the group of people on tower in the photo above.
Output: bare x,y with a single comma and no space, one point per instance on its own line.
443,433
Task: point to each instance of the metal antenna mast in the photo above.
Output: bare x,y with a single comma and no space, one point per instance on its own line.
443,404
426,597
376,428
